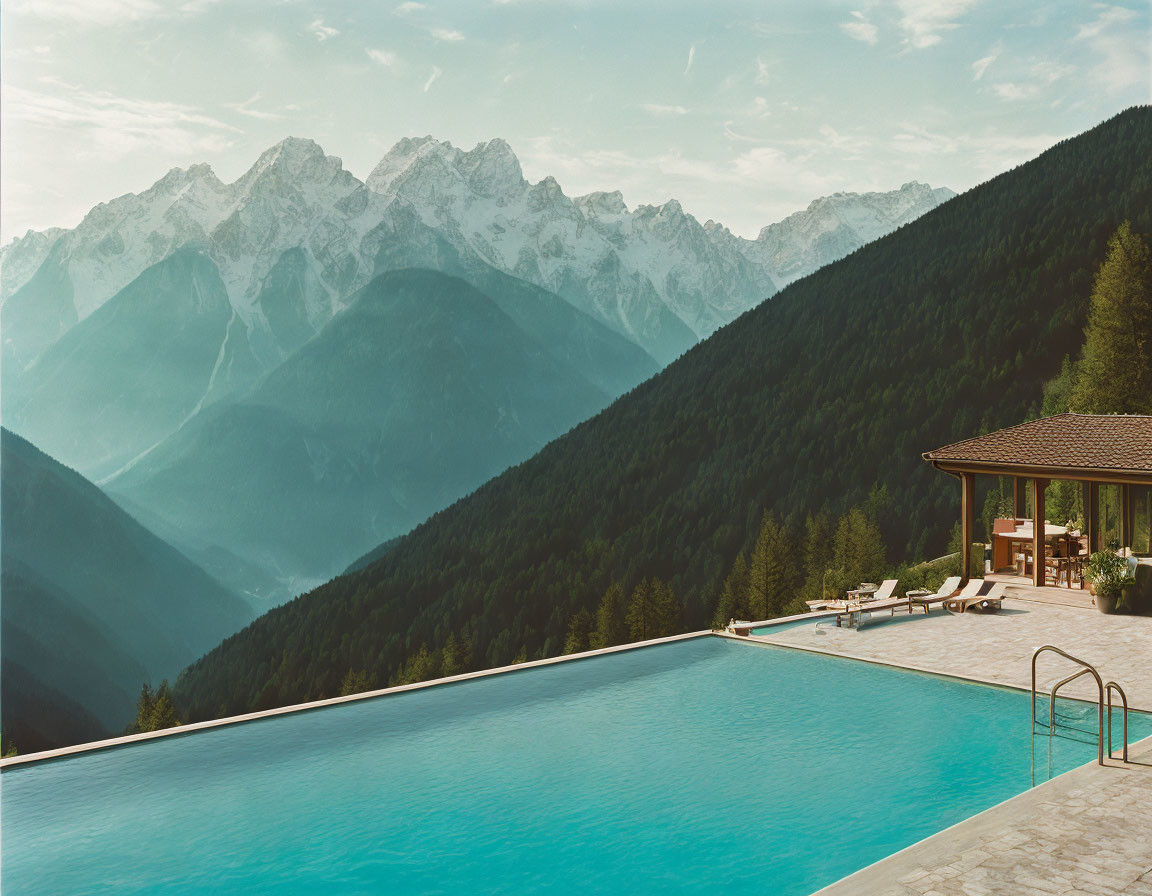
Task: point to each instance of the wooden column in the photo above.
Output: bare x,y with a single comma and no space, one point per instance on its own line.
1127,523
1019,496
1092,515
1038,486
967,523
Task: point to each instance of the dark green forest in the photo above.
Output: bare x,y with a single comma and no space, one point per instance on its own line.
818,401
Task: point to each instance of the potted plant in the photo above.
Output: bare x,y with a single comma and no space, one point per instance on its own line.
1108,573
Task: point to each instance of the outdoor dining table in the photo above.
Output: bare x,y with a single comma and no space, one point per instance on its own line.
1005,542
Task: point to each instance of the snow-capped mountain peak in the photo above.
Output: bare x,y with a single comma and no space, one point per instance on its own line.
832,226
655,273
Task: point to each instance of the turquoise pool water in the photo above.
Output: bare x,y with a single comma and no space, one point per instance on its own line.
699,766
789,626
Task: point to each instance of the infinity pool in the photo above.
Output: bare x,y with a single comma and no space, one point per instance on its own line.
698,766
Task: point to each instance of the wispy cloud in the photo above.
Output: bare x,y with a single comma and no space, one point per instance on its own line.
247,108
1039,76
448,34
382,57
112,127
691,59
436,73
859,28
658,109
410,7
1012,91
1122,49
763,72
925,21
980,66
321,31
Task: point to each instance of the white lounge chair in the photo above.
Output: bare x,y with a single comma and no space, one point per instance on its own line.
944,592
884,592
959,603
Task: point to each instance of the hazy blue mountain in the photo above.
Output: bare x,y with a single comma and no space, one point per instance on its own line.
93,605
129,374
602,355
420,391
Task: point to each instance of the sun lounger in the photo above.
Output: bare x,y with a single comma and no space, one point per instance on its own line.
883,593
985,598
942,593
857,614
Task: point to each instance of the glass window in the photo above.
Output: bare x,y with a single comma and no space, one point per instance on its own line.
1142,519
1110,519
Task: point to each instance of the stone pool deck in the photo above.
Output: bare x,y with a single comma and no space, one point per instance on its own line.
1086,832
998,648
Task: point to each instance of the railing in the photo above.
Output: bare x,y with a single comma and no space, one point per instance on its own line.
1102,690
1108,688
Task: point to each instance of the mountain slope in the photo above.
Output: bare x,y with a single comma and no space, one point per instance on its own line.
416,394
93,605
948,325
130,373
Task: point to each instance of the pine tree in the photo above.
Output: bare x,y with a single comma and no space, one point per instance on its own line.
1114,375
819,532
453,657
643,613
611,627
579,629
733,603
758,573
859,552
154,709
420,667
355,682
668,610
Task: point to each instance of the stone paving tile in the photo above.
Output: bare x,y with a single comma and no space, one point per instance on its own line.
1086,832
999,647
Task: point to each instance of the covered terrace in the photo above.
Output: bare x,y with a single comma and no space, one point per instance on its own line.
1109,456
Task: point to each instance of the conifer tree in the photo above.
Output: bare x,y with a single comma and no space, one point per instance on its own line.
355,682
579,628
643,612
668,609
1114,375
154,709
775,573
453,657
611,627
859,549
819,532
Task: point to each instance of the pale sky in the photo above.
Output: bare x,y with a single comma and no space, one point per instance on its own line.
743,111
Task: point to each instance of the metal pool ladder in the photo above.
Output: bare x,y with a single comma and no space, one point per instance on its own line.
1104,690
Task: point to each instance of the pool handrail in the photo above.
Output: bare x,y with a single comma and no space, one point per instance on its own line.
1088,667
1108,688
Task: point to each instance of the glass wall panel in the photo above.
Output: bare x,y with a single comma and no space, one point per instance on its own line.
1110,521
1142,519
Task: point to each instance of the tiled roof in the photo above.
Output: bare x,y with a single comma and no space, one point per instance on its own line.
1083,441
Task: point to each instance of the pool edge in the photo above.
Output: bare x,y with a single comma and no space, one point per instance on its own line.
125,740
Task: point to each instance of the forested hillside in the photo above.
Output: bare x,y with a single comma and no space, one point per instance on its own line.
949,326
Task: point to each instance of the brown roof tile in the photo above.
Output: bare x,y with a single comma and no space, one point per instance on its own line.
1084,441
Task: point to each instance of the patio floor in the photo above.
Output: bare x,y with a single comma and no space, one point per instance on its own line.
998,648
